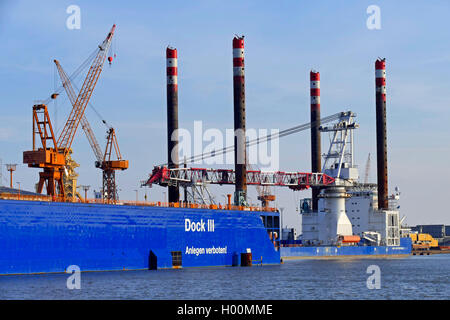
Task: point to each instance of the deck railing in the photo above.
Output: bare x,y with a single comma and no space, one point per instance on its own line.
13,196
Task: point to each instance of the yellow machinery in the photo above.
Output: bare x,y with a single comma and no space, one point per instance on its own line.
423,241
70,179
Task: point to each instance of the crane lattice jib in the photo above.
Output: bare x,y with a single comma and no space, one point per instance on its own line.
111,142
68,133
164,176
67,84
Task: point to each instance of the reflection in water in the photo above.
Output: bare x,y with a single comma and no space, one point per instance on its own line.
419,277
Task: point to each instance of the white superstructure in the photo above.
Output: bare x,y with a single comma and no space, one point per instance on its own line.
362,210
348,208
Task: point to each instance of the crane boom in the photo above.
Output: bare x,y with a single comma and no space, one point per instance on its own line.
53,160
104,160
110,166
110,144
165,176
68,133
267,138
67,84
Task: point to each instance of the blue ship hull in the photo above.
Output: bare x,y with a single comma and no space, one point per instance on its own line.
346,251
41,237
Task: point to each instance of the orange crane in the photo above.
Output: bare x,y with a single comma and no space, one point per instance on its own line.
367,172
104,161
265,195
264,192
84,122
51,157
109,167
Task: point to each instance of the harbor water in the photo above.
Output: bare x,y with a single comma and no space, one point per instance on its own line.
414,277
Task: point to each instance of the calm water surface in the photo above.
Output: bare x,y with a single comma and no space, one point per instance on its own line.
416,277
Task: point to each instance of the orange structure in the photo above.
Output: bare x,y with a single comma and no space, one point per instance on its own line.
52,155
84,122
104,160
349,239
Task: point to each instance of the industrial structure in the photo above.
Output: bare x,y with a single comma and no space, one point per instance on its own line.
51,156
440,232
351,208
103,161
240,152
172,117
343,217
382,170
187,176
264,192
341,210
316,149
54,156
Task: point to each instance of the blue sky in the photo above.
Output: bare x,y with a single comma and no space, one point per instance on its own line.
283,39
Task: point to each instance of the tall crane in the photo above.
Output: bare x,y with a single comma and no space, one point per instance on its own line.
110,166
69,179
103,160
264,193
52,155
188,177
84,122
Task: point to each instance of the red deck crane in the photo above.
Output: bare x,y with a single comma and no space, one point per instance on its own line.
186,177
164,176
52,156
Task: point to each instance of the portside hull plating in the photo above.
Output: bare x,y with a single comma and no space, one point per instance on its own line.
45,237
403,249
